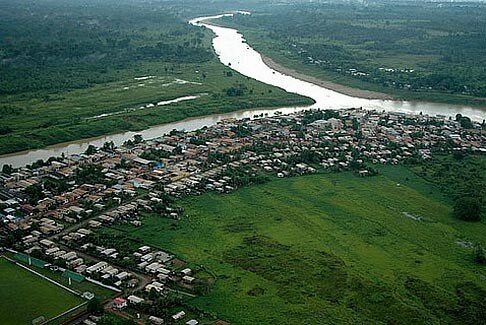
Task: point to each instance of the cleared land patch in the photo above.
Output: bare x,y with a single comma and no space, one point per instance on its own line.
329,248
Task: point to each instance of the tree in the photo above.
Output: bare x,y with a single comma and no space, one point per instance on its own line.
128,144
458,155
95,306
12,238
153,294
137,138
114,320
108,146
5,130
7,169
202,288
35,193
479,254
90,150
468,208
464,121
236,90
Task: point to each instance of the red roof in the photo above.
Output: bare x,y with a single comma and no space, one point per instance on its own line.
119,301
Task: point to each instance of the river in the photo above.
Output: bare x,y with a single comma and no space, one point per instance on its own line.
232,50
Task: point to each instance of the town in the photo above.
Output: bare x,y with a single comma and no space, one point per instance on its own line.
55,214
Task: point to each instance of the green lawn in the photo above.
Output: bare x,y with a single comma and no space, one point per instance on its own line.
25,296
331,249
100,292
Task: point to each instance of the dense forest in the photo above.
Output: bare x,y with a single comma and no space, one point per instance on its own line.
59,45
86,68
412,46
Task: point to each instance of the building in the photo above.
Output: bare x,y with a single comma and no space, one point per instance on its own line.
156,320
135,300
119,303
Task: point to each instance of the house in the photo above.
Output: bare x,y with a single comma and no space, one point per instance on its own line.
330,124
156,320
46,243
159,287
119,303
188,279
122,275
179,315
144,249
135,300
97,267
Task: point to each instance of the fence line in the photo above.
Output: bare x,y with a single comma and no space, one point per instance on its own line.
43,276
101,284
65,313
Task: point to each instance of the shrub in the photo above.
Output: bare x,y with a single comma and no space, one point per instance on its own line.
468,208
479,254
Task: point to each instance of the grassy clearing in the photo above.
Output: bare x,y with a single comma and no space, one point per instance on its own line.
330,249
24,296
37,122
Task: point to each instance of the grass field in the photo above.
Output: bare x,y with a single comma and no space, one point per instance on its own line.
329,249
37,122
100,292
25,296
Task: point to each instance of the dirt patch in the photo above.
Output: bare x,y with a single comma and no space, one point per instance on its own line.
178,263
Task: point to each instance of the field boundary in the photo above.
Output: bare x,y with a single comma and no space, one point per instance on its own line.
67,312
42,276
101,284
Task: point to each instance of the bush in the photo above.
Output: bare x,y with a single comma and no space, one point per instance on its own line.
236,90
95,307
468,208
479,254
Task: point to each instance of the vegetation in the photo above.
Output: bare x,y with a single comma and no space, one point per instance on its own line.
409,49
25,296
330,248
95,307
468,209
103,46
109,66
479,254
461,177
155,154
100,292
111,319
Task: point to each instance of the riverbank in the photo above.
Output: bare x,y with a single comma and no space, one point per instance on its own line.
346,90
25,157
131,105
235,50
